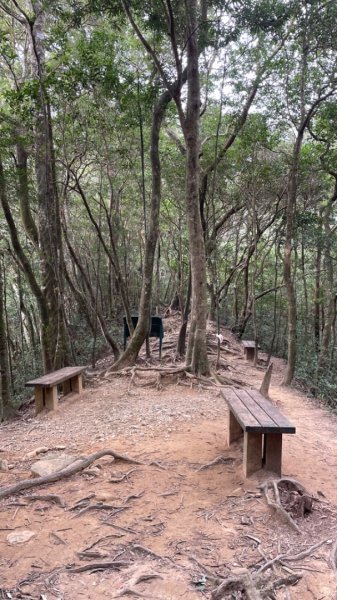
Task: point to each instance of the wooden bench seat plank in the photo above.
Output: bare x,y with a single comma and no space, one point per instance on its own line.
248,344
266,421
243,415
283,424
52,379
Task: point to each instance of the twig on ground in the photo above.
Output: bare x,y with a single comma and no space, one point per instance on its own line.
85,555
100,566
101,539
216,461
100,506
124,476
58,538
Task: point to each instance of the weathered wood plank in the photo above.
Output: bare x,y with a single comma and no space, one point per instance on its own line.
243,415
255,413
259,413
282,421
248,344
55,378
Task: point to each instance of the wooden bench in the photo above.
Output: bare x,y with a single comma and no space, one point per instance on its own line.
46,386
249,349
262,425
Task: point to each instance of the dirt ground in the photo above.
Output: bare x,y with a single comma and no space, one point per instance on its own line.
176,530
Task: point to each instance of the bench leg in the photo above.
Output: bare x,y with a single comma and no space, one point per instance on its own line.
51,398
66,387
252,453
76,384
273,452
234,429
250,354
39,400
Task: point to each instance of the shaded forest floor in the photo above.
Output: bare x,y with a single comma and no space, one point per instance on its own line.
174,528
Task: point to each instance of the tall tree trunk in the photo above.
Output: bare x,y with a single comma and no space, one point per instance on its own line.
5,400
56,350
287,268
324,355
196,355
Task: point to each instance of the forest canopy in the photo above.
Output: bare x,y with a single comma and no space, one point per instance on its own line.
167,155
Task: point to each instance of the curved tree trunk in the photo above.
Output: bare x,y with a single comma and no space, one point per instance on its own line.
142,328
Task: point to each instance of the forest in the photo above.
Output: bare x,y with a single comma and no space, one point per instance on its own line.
167,157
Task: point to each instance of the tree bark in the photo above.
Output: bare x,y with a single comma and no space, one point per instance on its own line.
196,355
55,342
5,399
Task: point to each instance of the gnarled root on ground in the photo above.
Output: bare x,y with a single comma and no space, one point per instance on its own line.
289,499
75,467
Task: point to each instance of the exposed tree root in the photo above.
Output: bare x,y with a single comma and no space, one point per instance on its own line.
100,506
280,558
100,566
76,467
240,583
135,580
275,501
215,380
269,592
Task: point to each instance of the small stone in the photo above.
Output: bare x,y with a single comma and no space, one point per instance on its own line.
51,465
19,537
3,464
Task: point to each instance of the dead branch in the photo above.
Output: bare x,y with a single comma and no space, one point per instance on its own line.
99,506
101,539
72,469
88,555
126,529
100,566
134,497
217,461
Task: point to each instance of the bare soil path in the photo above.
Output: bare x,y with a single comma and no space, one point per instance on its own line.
173,528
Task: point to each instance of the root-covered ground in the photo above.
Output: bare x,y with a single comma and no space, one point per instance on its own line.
180,522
